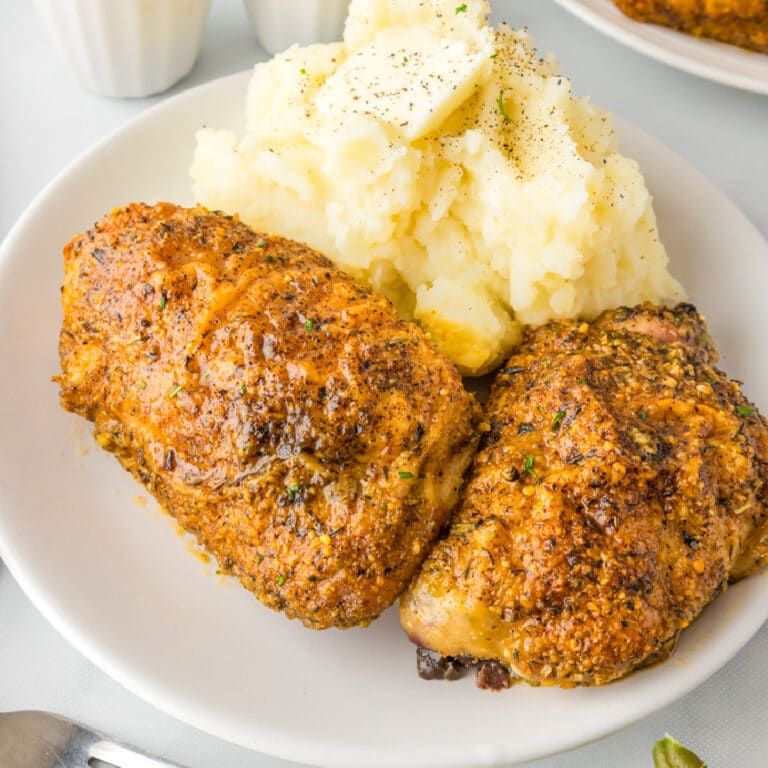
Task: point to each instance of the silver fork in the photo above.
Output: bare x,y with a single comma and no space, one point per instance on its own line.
43,740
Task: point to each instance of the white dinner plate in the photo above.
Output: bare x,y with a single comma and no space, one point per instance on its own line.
726,64
122,586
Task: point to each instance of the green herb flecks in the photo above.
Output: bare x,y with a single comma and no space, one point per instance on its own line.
280,580
644,415
242,389
308,324
558,420
395,342
175,391
745,410
528,466
582,381
292,491
261,244
500,104
461,8
406,475
163,301
142,384
493,55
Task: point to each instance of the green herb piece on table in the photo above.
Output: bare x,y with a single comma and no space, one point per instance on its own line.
670,753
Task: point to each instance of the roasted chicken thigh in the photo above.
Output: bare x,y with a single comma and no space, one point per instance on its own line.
311,440
619,489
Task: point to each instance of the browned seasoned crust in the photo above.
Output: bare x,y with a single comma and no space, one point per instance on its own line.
621,486
310,439
738,22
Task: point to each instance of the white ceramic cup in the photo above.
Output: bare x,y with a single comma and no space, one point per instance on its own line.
278,24
127,48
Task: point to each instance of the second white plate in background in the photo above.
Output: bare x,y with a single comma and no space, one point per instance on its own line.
726,64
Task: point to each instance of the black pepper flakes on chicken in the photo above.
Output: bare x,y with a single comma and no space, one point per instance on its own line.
310,439
621,487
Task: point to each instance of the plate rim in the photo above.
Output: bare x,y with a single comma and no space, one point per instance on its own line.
642,37
147,688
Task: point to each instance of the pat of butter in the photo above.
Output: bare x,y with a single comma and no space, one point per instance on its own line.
409,78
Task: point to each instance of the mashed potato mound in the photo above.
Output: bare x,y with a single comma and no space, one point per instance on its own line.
445,164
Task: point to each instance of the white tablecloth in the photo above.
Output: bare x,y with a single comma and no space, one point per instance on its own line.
46,121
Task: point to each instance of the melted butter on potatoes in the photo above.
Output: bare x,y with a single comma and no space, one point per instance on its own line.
445,164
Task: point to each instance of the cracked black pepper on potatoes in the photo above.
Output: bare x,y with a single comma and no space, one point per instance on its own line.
282,413
620,488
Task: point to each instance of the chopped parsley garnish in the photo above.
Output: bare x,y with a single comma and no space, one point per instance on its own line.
259,559
175,391
745,410
261,244
242,388
303,71
461,8
582,381
280,580
500,104
163,300
406,475
143,384
493,55
396,341
405,59
292,491
559,416
529,466
206,375
643,415
245,448
308,324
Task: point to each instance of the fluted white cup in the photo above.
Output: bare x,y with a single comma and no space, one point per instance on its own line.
127,48
278,24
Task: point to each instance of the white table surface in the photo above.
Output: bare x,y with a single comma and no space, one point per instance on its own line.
46,121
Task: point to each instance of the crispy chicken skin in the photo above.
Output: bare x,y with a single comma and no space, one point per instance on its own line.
621,486
739,22
283,414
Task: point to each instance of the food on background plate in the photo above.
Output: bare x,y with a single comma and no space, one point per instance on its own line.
621,486
738,22
282,413
447,165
